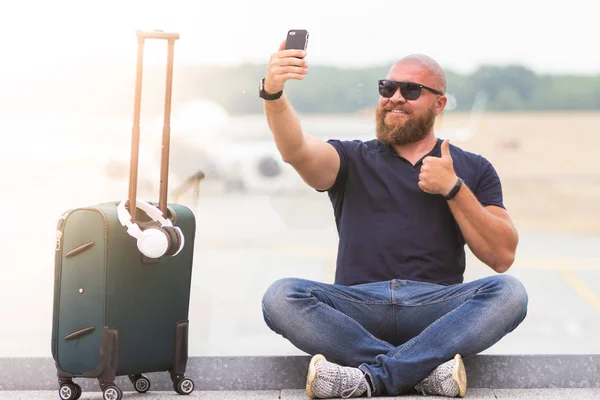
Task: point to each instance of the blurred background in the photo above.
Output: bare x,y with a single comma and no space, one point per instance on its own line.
524,84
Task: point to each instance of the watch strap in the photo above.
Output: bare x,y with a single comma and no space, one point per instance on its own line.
267,96
455,189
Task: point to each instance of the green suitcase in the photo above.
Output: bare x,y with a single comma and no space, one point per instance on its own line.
123,280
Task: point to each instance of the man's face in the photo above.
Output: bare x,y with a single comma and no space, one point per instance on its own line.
401,121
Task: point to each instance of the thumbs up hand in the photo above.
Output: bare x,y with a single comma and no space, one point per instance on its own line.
437,173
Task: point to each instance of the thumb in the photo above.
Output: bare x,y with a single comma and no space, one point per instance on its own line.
282,46
446,148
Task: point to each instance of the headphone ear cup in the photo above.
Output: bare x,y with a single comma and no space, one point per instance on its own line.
174,239
154,242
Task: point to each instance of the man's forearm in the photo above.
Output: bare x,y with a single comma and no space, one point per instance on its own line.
492,239
285,126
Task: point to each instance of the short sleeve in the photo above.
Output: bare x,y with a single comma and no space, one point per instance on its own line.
340,179
489,189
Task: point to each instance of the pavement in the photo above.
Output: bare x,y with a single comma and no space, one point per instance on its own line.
520,394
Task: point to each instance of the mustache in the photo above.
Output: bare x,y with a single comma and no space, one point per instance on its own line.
388,109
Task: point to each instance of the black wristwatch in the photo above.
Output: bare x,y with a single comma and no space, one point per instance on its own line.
455,189
265,95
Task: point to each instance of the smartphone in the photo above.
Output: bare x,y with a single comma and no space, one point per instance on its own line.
296,39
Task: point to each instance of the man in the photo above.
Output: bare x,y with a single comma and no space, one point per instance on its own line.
399,317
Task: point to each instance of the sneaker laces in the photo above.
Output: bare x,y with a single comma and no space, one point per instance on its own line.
440,381
347,393
420,387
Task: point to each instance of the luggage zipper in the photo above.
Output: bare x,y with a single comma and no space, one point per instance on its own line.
101,212
59,229
63,218
57,271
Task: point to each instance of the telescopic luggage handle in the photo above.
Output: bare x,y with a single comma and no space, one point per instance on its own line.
166,134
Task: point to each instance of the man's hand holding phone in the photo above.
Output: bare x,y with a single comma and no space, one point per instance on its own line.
286,64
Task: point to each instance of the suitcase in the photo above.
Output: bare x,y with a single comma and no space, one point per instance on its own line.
123,279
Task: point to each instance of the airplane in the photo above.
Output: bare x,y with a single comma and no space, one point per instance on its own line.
237,154
242,156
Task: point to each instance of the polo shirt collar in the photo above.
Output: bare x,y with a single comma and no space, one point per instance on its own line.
387,148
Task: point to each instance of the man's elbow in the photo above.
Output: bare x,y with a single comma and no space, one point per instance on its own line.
503,262
295,156
506,257
289,158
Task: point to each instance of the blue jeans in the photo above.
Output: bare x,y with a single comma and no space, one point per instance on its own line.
396,331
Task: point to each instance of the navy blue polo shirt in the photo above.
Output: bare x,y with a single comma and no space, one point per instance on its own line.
388,227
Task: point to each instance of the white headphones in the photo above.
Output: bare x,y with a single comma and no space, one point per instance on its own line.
153,242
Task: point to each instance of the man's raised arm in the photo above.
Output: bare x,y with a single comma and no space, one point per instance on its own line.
316,161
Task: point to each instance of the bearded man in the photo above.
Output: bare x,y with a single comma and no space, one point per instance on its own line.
399,317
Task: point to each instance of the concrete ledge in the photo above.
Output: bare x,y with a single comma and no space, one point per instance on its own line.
289,372
300,394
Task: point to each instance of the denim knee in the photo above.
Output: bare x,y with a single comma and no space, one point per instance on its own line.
276,301
513,296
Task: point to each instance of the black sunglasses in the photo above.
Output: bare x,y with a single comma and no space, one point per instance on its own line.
409,90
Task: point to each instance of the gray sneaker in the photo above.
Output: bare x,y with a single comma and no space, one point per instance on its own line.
449,379
326,379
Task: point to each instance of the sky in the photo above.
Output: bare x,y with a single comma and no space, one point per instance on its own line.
463,34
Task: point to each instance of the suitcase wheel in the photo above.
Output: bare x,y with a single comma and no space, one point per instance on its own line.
69,391
140,383
112,392
184,386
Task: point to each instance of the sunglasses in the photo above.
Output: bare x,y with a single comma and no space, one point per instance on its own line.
409,90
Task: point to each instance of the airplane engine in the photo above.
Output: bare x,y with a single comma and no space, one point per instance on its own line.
257,172
269,167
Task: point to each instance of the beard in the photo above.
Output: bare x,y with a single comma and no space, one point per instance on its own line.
404,132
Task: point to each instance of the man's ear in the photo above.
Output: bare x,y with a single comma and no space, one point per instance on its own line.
440,105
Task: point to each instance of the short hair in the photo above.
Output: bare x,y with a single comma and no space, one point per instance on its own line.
429,63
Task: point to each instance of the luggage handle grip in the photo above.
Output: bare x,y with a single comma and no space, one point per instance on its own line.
157,34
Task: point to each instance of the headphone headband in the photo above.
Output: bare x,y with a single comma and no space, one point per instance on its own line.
132,228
